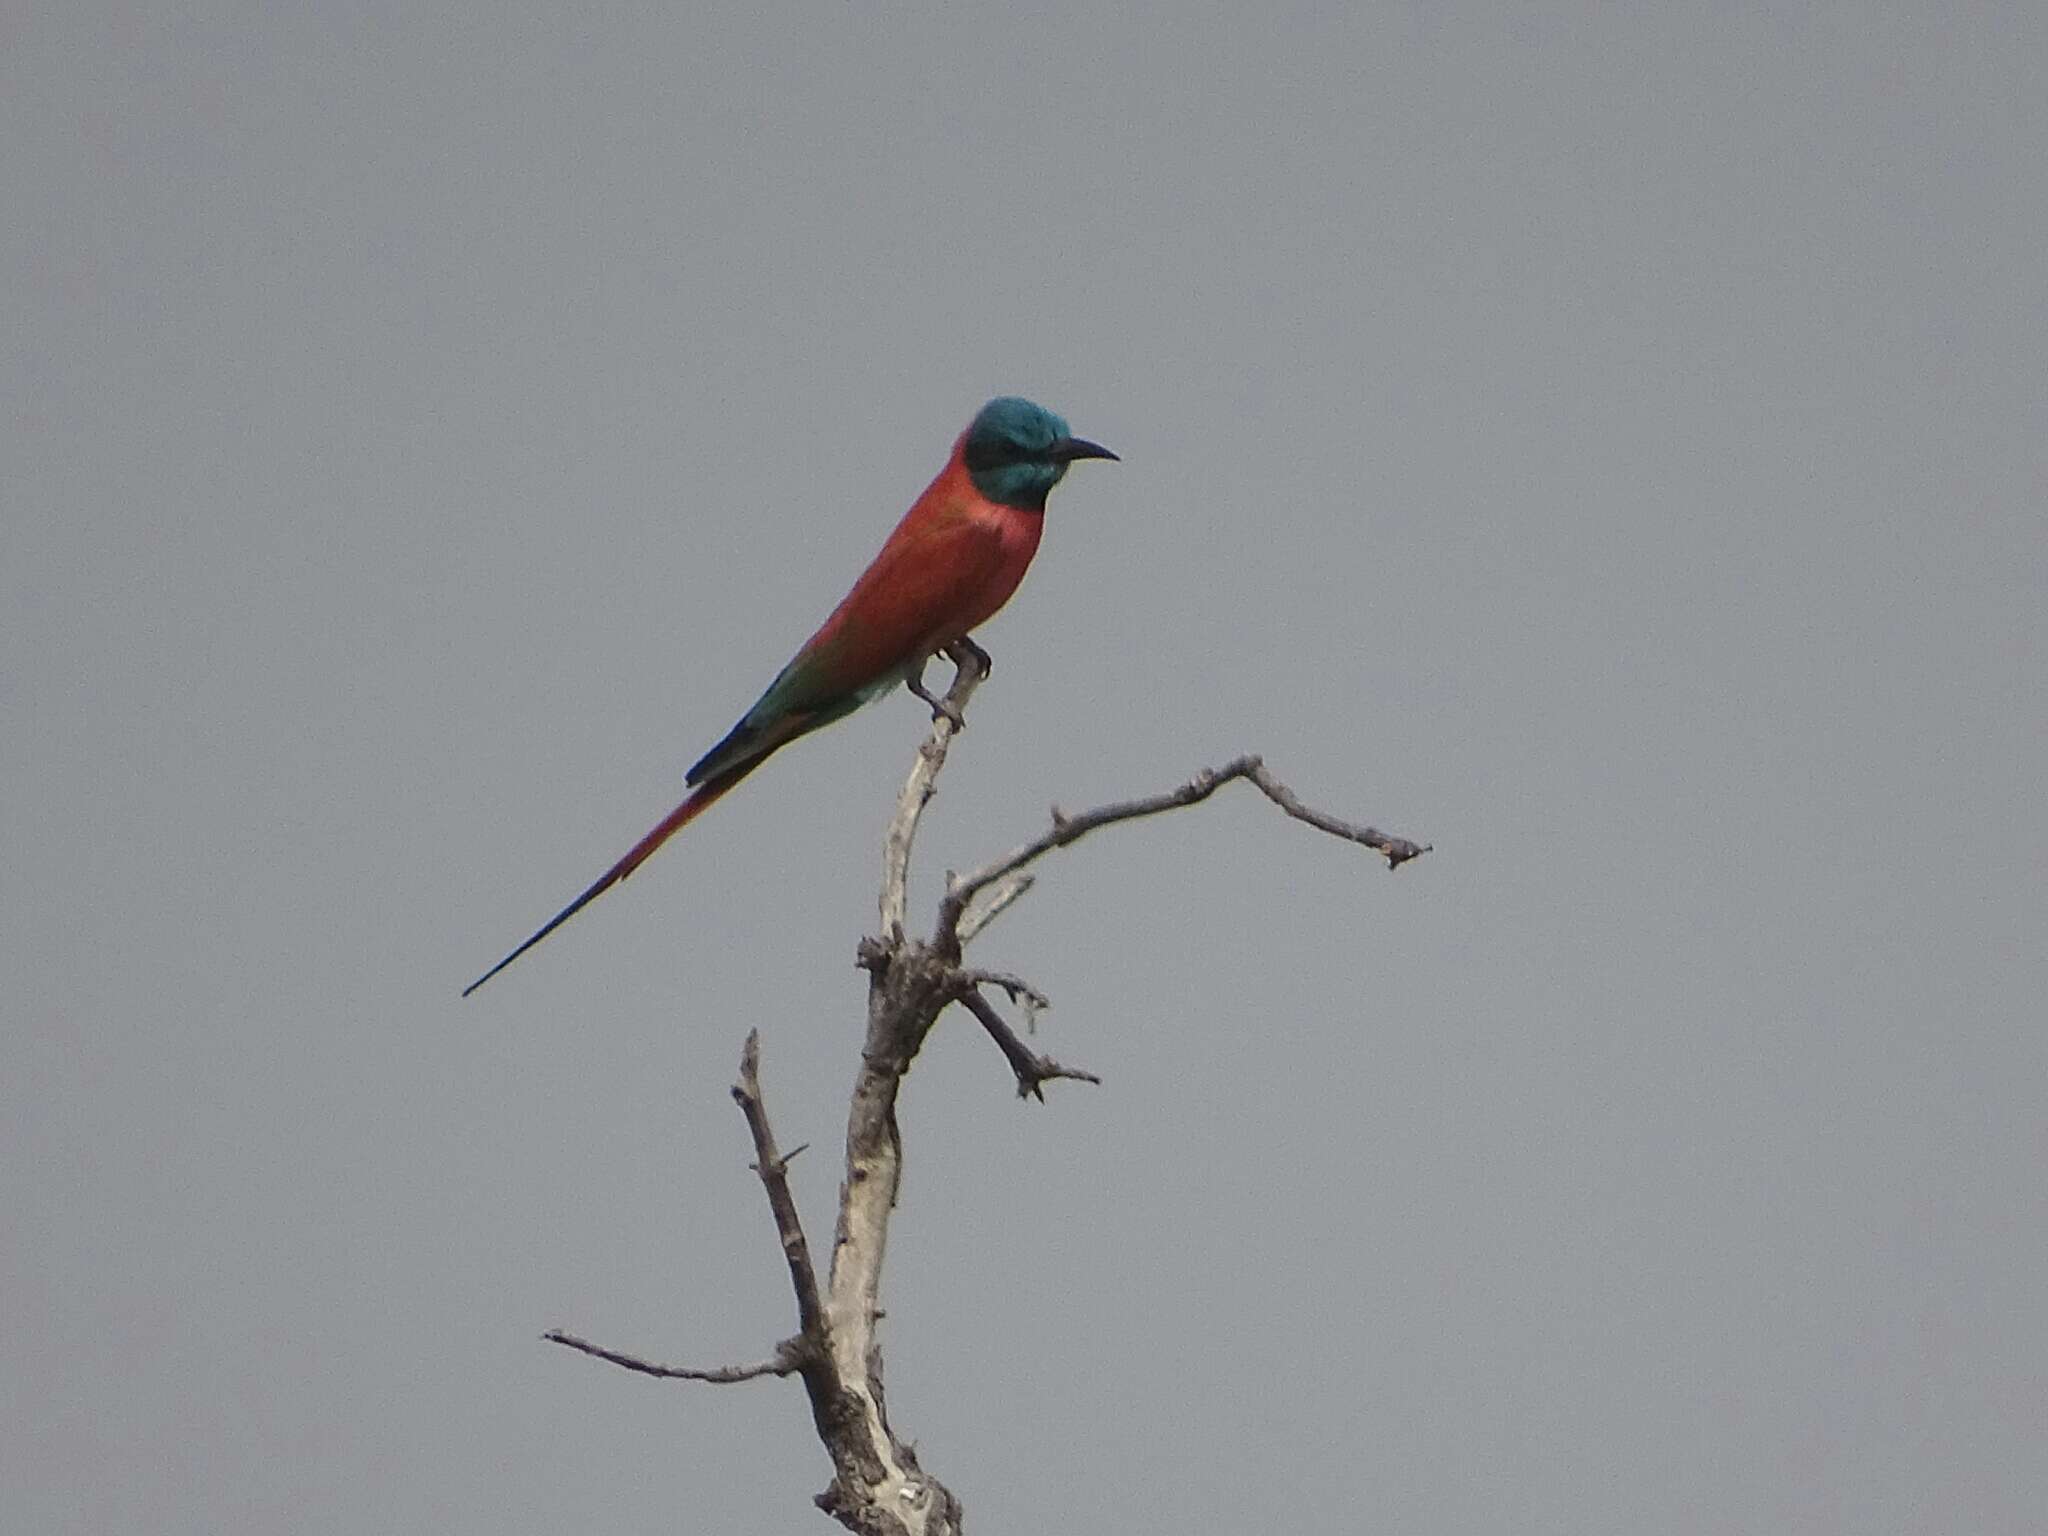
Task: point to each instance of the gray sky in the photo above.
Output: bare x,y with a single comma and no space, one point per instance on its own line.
1607,442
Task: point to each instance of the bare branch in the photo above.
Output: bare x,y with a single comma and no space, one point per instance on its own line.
998,897
1067,829
1395,850
949,718
774,1171
878,1488
1022,993
787,1362
805,1352
1032,1070
1020,990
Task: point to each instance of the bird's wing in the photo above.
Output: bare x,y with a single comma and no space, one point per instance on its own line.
930,584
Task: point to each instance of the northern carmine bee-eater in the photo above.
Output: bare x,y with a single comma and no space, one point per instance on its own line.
955,559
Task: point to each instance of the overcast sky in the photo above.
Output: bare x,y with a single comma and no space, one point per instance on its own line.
1607,442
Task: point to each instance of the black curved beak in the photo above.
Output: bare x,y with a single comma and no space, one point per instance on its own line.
1068,449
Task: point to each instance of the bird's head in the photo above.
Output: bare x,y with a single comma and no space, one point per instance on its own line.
1017,452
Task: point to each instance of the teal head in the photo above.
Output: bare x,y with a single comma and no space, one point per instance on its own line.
1017,452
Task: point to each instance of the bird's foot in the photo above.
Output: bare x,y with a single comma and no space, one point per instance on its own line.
963,650
942,709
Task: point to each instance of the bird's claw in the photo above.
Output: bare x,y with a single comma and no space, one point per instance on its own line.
965,647
942,709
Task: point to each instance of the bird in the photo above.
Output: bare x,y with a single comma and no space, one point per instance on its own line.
952,561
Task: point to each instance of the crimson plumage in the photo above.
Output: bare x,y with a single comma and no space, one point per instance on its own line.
953,560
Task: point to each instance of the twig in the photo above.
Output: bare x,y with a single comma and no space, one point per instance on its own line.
806,1352
999,897
1032,1070
1020,990
1395,850
787,1361
774,1171
1022,994
1067,829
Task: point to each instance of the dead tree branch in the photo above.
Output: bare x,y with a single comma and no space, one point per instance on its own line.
953,931
773,1168
877,1487
949,718
996,899
784,1363
1033,1070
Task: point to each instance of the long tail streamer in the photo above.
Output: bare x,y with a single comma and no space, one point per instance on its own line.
700,800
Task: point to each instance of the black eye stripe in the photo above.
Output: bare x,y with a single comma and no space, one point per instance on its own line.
995,453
